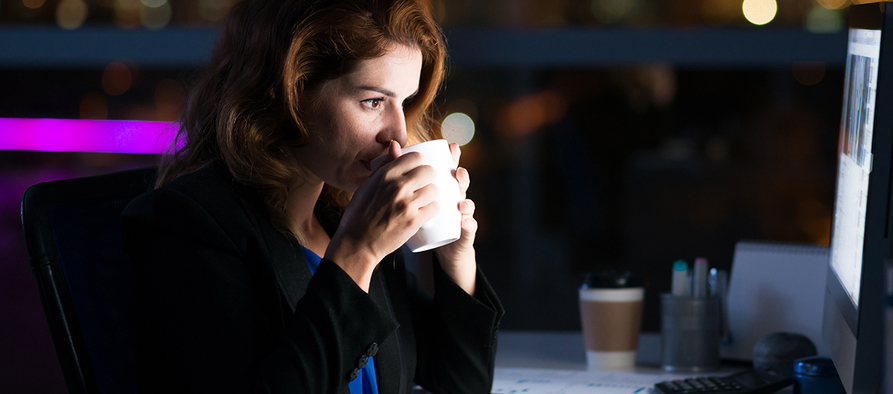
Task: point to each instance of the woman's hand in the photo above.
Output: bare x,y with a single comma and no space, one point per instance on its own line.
386,210
457,258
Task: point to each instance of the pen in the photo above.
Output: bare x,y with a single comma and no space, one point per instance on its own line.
699,279
722,290
680,274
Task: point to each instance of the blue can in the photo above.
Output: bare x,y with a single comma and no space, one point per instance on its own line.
816,375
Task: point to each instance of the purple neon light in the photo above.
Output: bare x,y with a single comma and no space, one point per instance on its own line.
77,135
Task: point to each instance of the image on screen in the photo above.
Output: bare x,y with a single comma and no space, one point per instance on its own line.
854,154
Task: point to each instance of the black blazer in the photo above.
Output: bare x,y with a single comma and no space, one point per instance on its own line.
226,303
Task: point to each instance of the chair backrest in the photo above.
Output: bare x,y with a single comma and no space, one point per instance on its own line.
72,233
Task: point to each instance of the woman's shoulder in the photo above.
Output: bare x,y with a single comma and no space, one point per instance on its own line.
210,179
209,191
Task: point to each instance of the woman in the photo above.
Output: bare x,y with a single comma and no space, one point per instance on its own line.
268,259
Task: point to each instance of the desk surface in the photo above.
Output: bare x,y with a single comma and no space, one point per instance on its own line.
561,350
555,362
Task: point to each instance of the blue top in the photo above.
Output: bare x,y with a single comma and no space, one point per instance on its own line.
365,382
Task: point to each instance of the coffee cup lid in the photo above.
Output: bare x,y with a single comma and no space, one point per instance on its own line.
611,279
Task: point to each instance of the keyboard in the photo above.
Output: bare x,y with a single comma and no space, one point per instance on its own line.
746,382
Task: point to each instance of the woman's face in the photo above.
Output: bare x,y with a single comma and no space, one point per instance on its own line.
352,119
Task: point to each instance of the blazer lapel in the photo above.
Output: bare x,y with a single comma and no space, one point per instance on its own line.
292,271
286,259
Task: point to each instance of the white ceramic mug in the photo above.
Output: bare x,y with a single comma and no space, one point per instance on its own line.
446,226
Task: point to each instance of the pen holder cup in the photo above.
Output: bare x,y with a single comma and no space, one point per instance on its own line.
690,328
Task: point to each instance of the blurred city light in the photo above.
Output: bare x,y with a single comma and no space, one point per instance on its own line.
820,19
154,3
71,14
833,4
529,113
152,14
128,13
613,11
457,127
213,10
759,12
34,4
156,16
116,79
94,106
721,12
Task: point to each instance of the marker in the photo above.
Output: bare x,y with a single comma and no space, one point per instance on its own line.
680,276
711,282
722,290
699,279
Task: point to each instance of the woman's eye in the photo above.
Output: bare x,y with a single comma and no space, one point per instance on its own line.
373,103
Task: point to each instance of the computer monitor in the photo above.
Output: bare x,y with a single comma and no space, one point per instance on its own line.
852,326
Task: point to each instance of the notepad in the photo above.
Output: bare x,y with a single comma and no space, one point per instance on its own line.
775,287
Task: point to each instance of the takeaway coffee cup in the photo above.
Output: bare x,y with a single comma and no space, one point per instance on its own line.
611,315
446,226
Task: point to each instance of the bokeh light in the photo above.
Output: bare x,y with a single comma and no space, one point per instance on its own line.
531,112
71,14
94,106
154,3
128,13
33,4
213,10
613,11
833,4
808,73
457,127
116,79
759,12
156,17
823,20
721,12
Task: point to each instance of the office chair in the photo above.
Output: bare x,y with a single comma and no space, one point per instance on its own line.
72,233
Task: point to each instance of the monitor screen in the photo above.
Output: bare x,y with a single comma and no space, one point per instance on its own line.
854,158
852,321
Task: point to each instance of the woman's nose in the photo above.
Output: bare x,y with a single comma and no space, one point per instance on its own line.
394,127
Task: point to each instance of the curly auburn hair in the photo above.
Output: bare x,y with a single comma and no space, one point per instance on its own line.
244,111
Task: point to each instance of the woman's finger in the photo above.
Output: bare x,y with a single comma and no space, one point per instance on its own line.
469,228
394,151
426,213
425,195
418,177
466,207
464,180
455,152
404,164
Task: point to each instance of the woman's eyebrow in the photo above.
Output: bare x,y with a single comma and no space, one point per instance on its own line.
383,91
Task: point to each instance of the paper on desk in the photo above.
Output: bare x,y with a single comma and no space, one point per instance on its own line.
552,381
